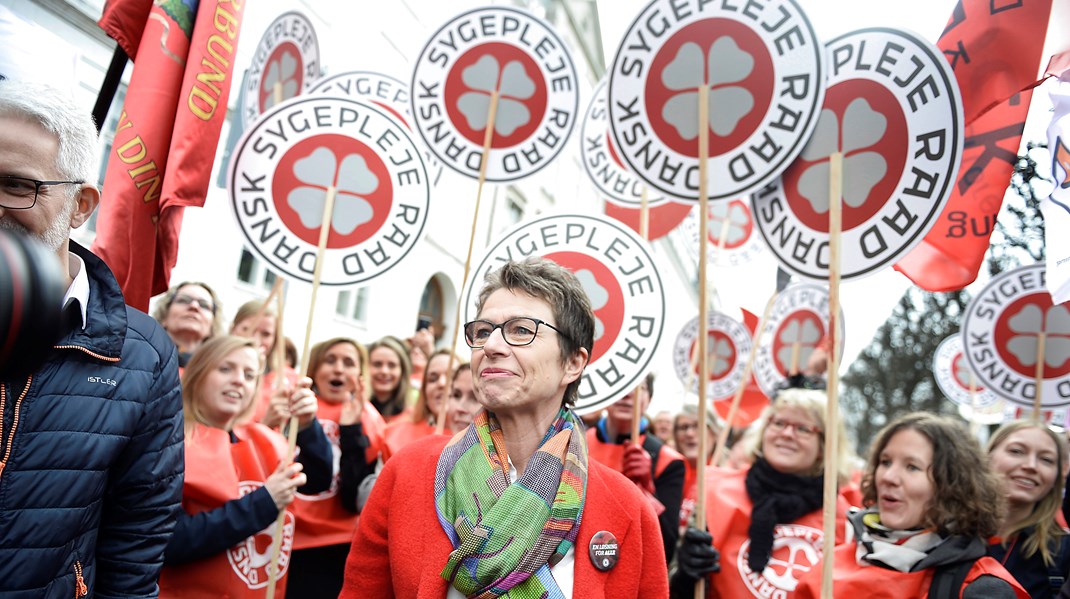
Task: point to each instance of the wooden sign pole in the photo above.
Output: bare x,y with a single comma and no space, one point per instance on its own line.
488,138
291,431
1039,379
644,232
832,415
703,308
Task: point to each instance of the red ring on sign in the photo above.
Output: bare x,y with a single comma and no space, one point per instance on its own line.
611,312
1003,334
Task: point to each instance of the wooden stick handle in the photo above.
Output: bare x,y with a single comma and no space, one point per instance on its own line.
1039,379
703,308
279,354
832,436
488,138
291,431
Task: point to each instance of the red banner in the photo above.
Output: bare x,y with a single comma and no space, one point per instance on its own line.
951,254
164,147
995,50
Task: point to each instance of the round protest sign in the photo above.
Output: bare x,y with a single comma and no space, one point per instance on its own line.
727,349
734,219
301,150
601,159
286,62
495,49
894,111
952,372
617,271
385,92
1009,327
797,326
765,69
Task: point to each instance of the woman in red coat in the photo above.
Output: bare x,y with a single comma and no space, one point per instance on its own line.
237,478
932,503
512,505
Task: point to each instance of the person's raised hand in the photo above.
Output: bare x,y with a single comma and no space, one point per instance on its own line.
638,467
303,403
352,410
697,557
282,485
278,411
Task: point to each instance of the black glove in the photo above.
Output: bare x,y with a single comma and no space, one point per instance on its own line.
695,558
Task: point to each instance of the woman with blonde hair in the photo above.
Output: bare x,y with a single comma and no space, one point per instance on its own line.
259,323
769,513
389,370
1030,460
421,423
237,477
931,504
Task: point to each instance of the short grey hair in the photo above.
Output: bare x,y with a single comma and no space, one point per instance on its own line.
557,286
78,157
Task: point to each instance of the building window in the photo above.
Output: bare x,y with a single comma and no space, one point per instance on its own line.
352,306
253,272
431,305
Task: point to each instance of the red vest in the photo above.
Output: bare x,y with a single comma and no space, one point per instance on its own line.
218,471
797,545
850,579
321,519
400,433
612,455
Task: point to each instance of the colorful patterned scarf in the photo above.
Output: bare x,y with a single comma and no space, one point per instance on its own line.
507,535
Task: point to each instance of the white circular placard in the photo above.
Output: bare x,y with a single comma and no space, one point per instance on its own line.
952,372
467,59
283,166
286,63
796,325
728,346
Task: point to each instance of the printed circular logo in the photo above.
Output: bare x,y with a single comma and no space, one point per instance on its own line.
495,49
796,326
604,550
312,146
385,92
286,62
601,159
1002,333
894,110
796,551
765,70
727,347
251,558
732,220
952,372
616,268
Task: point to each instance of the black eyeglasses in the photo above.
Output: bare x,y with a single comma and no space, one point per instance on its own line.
185,300
516,331
20,193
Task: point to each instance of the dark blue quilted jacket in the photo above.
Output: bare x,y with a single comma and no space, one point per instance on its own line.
91,457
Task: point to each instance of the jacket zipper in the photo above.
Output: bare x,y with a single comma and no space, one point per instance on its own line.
14,421
80,590
18,404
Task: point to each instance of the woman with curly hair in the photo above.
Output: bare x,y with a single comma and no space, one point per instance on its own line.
1029,459
931,503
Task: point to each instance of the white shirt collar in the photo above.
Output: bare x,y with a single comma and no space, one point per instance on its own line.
79,289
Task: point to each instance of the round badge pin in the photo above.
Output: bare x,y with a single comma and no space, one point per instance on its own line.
604,550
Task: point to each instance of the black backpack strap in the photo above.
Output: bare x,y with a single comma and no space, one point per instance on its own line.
948,580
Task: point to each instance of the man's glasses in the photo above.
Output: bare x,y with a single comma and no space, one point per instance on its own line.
185,300
516,331
804,431
20,193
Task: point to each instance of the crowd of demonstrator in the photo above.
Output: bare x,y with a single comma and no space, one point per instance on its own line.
118,479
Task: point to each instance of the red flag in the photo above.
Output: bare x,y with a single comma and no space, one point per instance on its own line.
167,134
951,254
663,218
995,50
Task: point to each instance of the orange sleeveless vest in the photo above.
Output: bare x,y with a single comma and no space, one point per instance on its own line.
797,546
400,433
851,579
218,471
612,455
321,519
